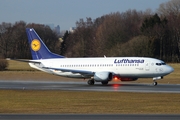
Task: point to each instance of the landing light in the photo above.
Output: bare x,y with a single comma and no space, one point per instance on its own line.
116,78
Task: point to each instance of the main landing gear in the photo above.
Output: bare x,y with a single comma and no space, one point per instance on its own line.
90,82
104,82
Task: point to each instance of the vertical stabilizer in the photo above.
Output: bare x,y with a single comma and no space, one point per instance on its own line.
38,49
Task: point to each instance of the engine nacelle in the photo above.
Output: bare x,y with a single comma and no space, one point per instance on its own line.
103,76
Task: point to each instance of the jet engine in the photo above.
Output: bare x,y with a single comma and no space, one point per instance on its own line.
103,76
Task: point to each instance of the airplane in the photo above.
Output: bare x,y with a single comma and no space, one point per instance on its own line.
96,69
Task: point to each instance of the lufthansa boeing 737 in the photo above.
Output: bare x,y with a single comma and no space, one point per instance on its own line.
96,69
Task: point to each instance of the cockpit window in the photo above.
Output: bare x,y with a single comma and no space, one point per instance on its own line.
163,63
160,64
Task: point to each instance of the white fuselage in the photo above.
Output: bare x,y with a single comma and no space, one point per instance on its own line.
135,67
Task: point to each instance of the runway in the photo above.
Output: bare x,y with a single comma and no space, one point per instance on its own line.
82,86
87,117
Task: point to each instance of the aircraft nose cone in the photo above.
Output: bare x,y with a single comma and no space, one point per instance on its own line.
170,69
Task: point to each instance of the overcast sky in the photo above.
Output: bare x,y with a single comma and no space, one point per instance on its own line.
66,12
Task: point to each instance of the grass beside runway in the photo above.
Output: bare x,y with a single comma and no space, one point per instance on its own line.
28,101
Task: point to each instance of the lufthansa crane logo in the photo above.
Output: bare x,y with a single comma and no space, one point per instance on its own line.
35,45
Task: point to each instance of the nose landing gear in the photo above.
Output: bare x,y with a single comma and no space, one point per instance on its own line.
156,78
154,83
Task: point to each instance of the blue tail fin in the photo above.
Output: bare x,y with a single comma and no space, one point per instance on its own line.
37,46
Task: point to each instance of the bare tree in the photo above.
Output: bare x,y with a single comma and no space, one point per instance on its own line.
170,7
5,39
171,10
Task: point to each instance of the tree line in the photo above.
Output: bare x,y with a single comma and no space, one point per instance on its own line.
130,33
14,43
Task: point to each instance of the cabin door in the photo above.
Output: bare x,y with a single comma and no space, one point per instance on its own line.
147,66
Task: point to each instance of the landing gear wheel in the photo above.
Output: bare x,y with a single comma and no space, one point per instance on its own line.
155,83
104,82
90,82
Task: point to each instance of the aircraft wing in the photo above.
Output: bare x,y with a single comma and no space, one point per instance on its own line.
83,72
